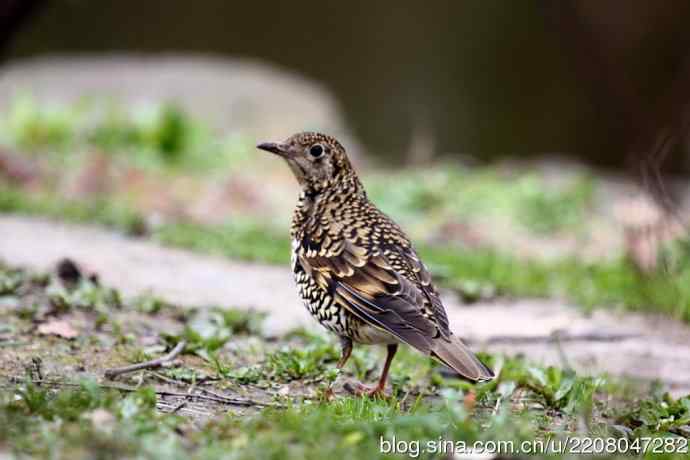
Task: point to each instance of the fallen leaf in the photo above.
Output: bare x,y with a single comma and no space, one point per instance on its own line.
58,327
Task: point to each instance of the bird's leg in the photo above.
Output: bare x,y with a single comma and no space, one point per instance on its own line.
379,389
346,346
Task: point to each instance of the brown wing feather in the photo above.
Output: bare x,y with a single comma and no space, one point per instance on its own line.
387,319
371,289
424,282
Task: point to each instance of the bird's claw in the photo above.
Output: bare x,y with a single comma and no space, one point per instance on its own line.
359,389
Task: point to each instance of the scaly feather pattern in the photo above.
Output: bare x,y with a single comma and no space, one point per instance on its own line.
355,268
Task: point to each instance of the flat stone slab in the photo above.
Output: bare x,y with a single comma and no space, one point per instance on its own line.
645,347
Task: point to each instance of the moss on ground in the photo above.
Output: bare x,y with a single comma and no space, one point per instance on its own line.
233,392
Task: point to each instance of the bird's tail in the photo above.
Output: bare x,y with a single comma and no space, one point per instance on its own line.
452,352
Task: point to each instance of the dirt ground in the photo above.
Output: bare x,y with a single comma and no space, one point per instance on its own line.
644,347
80,344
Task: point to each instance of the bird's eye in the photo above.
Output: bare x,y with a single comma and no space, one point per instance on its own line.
316,150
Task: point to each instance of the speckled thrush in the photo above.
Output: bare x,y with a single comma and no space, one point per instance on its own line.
355,269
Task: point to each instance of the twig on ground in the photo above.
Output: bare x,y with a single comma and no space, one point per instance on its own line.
178,407
238,401
152,364
57,383
165,379
195,412
212,396
177,382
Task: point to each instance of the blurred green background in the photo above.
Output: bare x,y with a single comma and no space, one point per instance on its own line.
485,78
508,138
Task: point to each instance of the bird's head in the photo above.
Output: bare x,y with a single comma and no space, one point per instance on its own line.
317,160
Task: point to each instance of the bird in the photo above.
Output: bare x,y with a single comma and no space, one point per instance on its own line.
355,269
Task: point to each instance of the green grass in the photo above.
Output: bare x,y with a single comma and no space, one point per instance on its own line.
452,192
615,283
160,136
98,211
90,422
241,239
46,424
208,329
81,418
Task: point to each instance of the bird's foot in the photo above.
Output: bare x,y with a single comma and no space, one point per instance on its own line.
359,389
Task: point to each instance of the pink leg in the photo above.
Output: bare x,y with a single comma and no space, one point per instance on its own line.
379,390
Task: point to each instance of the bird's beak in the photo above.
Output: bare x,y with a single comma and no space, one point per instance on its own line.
275,147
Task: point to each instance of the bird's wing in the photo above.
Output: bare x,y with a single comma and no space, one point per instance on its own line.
366,282
423,277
